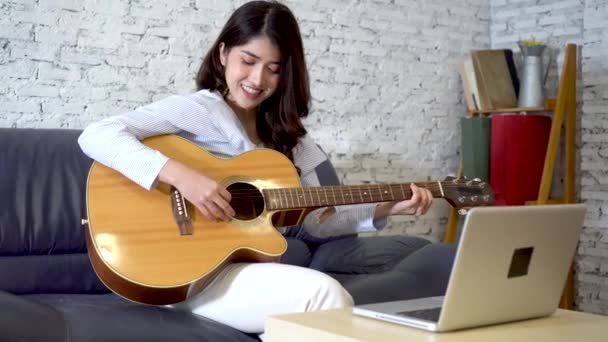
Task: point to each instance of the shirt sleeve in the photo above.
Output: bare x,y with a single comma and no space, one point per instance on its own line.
348,219
115,141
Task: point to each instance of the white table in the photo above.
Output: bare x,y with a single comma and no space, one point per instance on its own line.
342,326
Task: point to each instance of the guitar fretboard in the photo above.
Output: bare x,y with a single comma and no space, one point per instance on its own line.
293,198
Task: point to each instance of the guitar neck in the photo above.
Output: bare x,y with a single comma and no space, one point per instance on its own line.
323,196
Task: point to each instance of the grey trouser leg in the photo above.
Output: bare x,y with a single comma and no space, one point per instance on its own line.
424,273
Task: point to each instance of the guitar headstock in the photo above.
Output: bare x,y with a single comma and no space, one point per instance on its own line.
464,193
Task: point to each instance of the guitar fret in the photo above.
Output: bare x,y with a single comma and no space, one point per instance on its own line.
333,194
312,201
285,192
326,199
298,197
270,199
380,190
361,195
402,191
390,188
303,196
291,197
318,197
342,193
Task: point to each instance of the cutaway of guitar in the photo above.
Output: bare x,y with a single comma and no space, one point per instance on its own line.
153,247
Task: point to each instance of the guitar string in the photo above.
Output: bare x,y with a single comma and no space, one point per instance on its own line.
330,191
357,188
337,192
324,193
292,194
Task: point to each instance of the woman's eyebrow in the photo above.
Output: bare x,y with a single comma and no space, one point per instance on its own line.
251,54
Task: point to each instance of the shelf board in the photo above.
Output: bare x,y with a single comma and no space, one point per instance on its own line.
549,106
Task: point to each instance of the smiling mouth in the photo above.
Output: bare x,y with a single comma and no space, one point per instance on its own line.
251,92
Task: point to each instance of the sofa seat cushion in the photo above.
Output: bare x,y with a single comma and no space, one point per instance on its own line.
25,320
52,273
107,317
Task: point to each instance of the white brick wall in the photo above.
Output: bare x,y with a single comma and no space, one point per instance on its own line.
385,86
582,22
593,251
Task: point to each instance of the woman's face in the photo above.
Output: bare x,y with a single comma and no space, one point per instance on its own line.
252,72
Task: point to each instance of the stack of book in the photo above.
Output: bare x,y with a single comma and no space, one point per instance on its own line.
489,80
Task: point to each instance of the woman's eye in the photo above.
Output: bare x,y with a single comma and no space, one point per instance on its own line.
275,70
247,62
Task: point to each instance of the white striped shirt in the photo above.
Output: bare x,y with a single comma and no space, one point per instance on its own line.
205,119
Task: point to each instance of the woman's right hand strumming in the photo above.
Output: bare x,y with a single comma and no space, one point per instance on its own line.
209,197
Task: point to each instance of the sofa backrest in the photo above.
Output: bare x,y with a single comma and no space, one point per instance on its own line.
43,177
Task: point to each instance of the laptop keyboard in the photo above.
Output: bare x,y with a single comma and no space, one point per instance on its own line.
431,314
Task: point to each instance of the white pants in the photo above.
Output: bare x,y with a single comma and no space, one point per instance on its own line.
243,295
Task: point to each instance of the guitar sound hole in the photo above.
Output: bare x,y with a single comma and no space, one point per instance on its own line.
247,201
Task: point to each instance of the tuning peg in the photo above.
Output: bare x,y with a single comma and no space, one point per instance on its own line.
462,211
477,179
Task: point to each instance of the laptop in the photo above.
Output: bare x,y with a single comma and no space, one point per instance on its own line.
511,264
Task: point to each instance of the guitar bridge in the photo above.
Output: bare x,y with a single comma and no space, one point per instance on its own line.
181,215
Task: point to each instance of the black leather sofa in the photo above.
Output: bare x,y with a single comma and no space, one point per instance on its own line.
49,291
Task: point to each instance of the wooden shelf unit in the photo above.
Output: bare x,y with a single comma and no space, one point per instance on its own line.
562,107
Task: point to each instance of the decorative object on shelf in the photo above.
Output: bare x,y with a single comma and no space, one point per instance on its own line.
476,147
518,145
531,91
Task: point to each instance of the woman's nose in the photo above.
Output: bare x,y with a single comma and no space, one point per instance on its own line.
257,76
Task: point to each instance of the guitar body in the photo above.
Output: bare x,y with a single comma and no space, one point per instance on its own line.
135,244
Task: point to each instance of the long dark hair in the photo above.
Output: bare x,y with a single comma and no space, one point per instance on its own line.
279,123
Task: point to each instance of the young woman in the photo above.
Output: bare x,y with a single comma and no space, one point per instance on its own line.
253,92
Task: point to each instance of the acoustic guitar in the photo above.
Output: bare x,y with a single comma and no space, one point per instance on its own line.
153,247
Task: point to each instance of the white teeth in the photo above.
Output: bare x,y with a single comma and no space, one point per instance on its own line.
250,90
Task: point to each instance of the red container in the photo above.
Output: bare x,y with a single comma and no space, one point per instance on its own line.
517,155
